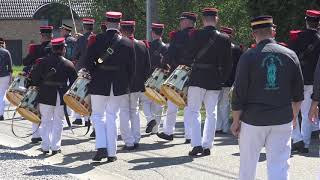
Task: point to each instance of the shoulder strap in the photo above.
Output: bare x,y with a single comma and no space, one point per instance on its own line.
111,49
311,47
205,48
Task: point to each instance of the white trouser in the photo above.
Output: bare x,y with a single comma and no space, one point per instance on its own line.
306,125
152,111
52,125
36,130
4,84
130,119
105,110
187,123
277,141
170,121
223,110
196,96
296,133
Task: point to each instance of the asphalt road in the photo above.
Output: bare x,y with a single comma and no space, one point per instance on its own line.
155,159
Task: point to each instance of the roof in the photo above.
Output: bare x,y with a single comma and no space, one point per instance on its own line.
25,9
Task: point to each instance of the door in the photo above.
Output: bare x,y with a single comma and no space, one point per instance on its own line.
15,48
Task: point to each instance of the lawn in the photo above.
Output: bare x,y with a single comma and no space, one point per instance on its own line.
16,70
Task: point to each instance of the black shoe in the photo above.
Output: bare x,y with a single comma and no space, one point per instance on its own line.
136,145
44,152
127,148
87,123
101,153
196,151
151,125
303,150
112,159
77,122
165,136
298,146
93,134
206,152
56,152
219,132
1,118
188,141
36,140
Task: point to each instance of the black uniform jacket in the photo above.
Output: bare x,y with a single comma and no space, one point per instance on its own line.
71,42
51,75
268,80
116,70
177,49
79,50
236,53
309,60
214,67
41,50
141,68
157,50
316,84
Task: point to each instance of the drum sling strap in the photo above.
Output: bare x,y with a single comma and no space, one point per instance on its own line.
111,49
310,48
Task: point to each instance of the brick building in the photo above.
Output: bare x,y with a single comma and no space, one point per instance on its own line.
20,21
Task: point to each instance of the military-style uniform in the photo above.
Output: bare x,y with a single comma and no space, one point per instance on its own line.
129,115
223,110
70,41
51,76
111,73
307,39
208,74
158,50
37,51
268,80
78,55
175,57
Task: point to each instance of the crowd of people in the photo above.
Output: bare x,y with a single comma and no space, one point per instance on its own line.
266,85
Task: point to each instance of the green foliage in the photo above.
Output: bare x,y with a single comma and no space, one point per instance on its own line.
232,14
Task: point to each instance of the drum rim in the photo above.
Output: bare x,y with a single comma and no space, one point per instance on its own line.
75,105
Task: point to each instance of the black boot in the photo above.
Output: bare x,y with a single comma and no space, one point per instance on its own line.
196,151
1,118
112,159
77,122
93,134
206,152
165,136
151,125
188,141
36,140
56,152
101,154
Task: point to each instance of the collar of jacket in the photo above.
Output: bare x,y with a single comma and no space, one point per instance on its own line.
210,28
266,41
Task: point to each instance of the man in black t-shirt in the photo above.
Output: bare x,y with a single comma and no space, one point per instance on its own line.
267,94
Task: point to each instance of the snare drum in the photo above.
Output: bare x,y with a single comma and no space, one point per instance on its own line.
153,85
28,107
77,97
17,90
175,87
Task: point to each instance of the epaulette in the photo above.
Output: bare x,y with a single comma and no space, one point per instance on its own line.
283,44
92,39
192,32
253,45
32,48
172,34
38,61
146,43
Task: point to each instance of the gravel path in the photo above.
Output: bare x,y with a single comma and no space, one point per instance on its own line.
16,165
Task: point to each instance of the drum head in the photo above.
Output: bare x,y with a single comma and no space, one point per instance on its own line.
81,108
155,96
14,97
176,96
33,117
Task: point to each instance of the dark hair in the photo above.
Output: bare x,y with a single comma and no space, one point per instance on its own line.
158,32
313,24
58,49
88,27
128,29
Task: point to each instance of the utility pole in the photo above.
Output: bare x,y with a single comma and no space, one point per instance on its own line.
152,15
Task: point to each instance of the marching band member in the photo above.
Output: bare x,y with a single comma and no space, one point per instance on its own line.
5,74
313,112
267,94
78,57
65,31
175,57
129,118
103,27
307,48
224,109
209,71
51,75
158,50
109,59
36,52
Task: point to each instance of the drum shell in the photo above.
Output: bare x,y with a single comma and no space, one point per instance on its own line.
17,90
28,107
